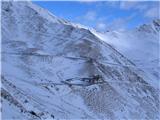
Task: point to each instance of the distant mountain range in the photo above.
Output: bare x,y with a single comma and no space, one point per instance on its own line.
140,45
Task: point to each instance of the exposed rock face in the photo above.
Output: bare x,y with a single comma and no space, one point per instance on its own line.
39,51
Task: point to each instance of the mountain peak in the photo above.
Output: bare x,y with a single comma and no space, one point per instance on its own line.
156,24
152,27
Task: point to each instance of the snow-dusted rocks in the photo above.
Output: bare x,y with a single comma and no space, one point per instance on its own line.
39,51
140,45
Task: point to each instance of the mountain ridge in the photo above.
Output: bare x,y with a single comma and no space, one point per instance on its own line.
39,56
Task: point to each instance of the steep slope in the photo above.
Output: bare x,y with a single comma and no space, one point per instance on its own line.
45,58
140,45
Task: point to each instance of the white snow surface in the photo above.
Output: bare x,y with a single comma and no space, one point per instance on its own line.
39,51
140,45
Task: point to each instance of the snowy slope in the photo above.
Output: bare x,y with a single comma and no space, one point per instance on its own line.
140,45
41,53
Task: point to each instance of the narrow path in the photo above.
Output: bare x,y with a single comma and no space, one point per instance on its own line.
73,58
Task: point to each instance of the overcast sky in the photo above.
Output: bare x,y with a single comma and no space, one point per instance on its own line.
104,15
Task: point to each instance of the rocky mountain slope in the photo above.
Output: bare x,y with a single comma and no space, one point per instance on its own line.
141,45
50,68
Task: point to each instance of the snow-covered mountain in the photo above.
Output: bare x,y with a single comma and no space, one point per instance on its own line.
140,45
50,70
